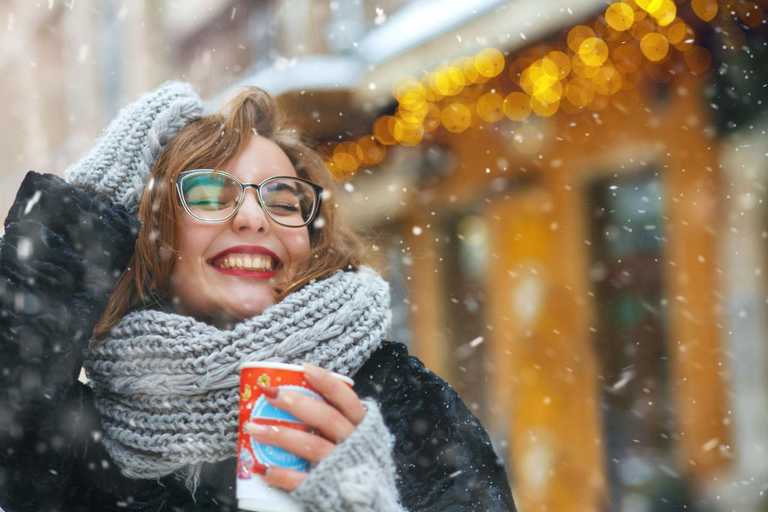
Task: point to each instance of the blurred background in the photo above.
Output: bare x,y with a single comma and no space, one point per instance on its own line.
567,196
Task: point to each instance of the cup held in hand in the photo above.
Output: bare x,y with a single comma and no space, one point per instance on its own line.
253,457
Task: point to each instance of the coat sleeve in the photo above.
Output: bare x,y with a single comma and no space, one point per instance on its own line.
442,453
62,252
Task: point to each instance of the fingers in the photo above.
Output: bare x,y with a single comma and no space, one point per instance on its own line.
333,425
304,444
336,392
285,479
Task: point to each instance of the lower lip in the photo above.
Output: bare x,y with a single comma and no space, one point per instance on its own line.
244,273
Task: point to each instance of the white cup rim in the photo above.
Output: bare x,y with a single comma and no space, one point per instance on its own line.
291,367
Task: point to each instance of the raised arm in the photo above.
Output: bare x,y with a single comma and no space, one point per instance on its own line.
63,250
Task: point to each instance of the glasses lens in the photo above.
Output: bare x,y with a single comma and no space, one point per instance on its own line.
289,201
210,195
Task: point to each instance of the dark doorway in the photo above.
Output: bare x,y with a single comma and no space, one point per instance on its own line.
627,224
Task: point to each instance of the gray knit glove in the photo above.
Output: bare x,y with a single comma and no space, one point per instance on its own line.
358,475
119,164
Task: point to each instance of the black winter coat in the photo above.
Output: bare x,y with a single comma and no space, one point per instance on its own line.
63,250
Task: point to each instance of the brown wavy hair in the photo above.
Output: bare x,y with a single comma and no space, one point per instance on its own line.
209,143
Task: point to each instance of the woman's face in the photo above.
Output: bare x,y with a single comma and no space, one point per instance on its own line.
210,280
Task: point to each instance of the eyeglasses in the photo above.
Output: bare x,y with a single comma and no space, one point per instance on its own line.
215,196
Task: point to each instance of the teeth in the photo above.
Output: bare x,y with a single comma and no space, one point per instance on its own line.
246,262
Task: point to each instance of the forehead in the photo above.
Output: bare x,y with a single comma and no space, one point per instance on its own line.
259,159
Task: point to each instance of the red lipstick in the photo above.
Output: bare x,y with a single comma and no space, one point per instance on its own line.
243,272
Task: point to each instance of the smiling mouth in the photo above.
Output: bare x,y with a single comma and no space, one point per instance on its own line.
260,266
250,262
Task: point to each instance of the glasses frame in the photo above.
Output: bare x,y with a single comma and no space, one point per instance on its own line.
243,186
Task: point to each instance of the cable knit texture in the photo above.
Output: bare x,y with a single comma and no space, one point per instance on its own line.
358,475
166,384
119,164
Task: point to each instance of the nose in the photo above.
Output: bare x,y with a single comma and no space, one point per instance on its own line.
250,216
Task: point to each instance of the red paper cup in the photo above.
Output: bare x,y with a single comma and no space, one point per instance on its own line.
253,457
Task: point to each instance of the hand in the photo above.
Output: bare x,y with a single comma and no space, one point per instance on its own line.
333,421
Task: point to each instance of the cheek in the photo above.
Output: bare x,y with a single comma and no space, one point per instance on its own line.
297,244
195,239
192,246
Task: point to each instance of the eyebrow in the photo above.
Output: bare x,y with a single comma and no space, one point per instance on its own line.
283,186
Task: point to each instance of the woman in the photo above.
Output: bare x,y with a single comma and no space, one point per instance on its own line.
221,274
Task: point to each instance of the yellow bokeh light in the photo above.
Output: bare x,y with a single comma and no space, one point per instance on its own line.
640,14
607,81
665,14
751,14
705,9
433,118
688,39
527,140
467,67
430,92
517,67
407,118
544,83
456,117
620,16
649,6
580,91
593,51
540,75
517,106
581,69
544,68
409,88
605,32
490,107
449,81
561,61
627,58
675,32
698,59
641,29
407,134
602,68
654,46
352,149
577,35
411,95
383,130
401,85
373,151
489,62
547,90
526,82
413,103
544,109
343,161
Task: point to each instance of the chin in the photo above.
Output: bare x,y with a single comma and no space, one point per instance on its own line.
245,310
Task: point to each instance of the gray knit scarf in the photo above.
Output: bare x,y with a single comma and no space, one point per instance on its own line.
167,385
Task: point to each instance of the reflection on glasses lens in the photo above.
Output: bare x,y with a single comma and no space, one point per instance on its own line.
210,196
290,202
215,196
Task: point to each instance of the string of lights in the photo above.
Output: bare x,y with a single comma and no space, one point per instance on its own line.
597,65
